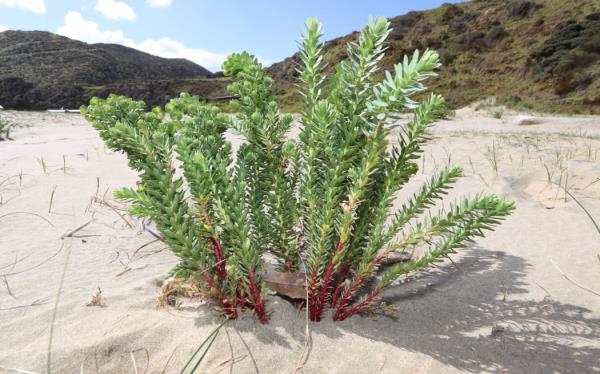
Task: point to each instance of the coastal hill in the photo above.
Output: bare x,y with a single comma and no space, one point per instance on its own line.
40,70
542,54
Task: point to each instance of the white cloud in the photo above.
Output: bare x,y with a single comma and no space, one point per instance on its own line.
35,6
159,3
76,27
116,10
3,28
170,48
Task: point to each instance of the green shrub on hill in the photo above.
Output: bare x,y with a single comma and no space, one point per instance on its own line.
572,45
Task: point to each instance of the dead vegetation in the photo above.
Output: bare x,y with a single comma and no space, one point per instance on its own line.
97,299
175,288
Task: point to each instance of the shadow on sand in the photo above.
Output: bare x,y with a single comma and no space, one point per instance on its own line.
474,318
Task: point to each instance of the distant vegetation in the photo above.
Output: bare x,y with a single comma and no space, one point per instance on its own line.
540,54
4,129
571,47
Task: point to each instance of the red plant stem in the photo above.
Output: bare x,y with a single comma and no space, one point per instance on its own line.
324,291
259,303
230,310
378,260
312,295
217,248
346,297
241,299
361,305
340,286
220,257
211,285
339,313
325,282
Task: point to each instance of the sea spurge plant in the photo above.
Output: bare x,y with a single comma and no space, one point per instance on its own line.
320,204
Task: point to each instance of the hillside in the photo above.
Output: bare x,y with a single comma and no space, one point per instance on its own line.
40,70
538,54
542,54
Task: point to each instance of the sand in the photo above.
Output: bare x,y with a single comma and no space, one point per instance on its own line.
505,305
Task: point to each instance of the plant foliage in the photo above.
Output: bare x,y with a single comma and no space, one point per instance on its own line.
5,127
321,203
572,44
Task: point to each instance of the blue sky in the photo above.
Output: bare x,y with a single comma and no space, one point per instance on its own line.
204,31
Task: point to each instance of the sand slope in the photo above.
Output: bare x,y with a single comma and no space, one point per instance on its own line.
503,307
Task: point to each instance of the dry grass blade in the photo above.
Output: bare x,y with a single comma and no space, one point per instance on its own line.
55,311
30,213
62,244
135,370
85,359
249,351
15,370
106,203
232,361
37,302
305,352
51,199
15,262
70,233
582,207
132,355
164,370
8,287
573,282
152,232
43,165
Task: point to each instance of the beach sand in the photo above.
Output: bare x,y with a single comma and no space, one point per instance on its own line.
520,300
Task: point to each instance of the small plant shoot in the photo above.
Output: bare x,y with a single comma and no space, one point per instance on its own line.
320,204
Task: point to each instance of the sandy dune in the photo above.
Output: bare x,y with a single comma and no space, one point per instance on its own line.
505,306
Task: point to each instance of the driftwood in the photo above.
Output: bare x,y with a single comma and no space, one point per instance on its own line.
292,285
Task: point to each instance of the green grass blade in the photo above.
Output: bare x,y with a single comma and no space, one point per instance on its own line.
209,339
